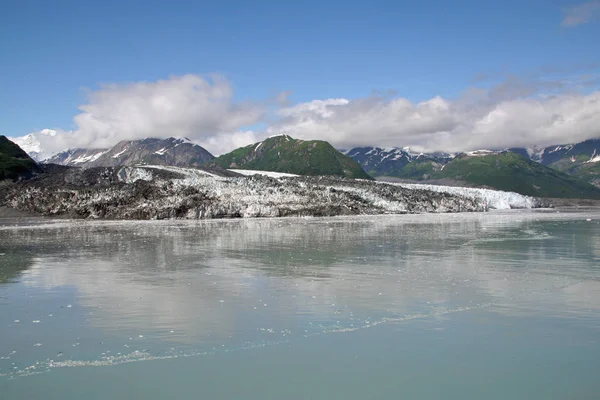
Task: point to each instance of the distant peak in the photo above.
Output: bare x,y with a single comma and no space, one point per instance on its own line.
48,132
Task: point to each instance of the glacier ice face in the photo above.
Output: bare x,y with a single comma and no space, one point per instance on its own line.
490,199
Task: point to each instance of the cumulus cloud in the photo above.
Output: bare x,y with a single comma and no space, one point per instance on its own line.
581,14
225,142
200,108
516,112
511,114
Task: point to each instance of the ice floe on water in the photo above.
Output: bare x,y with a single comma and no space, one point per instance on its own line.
104,359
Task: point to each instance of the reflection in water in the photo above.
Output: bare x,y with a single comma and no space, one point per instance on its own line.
128,290
12,264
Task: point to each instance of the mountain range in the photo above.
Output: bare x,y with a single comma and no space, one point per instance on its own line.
171,151
566,171
554,171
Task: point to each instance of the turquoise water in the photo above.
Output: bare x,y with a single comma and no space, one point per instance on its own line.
502,305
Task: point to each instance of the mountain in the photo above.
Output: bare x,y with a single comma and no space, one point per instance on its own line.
555,171
14,162
31,144
398,162
76,157
513,172
578,159
150,151
285,154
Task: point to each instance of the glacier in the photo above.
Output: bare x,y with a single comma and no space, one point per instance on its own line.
272,174
164,192
491,199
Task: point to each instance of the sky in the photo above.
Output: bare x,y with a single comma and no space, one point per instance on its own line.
434,75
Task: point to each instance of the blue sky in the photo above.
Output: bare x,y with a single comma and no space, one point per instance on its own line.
55,53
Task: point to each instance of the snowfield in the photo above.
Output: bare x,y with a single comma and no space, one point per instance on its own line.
272,174
162,192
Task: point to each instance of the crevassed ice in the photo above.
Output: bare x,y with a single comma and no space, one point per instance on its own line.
492,199
132,174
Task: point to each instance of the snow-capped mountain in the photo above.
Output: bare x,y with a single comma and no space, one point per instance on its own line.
31,144
398,161
75,157
520,172
171,151
577,159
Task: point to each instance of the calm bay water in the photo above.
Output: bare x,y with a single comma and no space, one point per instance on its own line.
502,305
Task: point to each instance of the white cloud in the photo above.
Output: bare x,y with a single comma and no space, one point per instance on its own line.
500,117
513,113
225,142
192,106
320,107
581,14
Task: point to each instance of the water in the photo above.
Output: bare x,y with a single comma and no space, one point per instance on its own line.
502,305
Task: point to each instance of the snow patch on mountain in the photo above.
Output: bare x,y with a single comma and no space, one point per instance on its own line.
283,135
120,153
594,159
566,147
480,153
272,174
87,158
